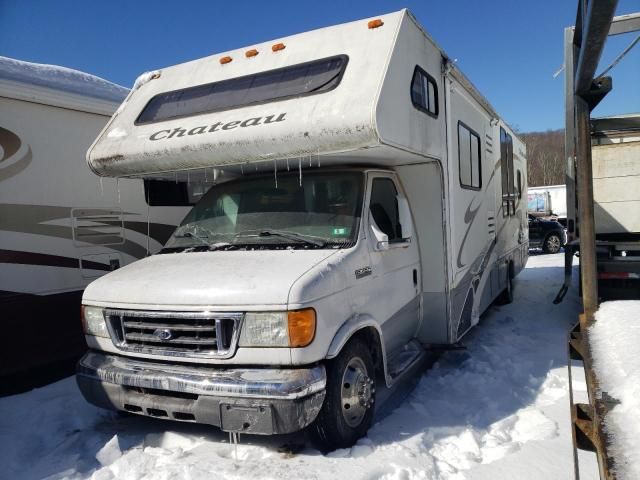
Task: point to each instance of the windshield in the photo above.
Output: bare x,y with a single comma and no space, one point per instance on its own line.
315,210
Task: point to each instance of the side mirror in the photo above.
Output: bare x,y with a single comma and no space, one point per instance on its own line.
404,215
380,238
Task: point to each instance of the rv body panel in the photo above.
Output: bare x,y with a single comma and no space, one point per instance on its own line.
337,121
61,226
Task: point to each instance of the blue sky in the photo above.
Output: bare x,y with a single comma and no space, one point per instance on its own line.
509,49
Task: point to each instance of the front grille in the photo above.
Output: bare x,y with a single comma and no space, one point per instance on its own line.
189,334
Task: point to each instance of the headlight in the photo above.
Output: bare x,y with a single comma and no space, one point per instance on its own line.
278,329
93,321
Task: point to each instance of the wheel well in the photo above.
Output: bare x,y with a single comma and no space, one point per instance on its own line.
371,338
553,232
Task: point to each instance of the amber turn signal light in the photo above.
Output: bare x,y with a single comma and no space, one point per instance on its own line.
375,23
225,60
276,47
302,327
251,53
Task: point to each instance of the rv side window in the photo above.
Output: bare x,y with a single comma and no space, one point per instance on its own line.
307,78
384,208
469,162
424,92
508,175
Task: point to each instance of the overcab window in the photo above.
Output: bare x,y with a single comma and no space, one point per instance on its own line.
307,78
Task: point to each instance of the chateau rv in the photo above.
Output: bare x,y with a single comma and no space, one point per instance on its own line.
376,215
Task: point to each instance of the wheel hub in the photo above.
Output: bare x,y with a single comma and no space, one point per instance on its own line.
357,392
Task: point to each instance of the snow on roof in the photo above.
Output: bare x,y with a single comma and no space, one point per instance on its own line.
61,79
614,339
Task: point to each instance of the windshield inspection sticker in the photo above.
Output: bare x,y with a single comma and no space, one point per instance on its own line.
340,231
363,272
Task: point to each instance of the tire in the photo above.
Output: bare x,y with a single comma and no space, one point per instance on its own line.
347,412
506,296
552,244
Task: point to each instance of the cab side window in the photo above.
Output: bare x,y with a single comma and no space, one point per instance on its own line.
384,208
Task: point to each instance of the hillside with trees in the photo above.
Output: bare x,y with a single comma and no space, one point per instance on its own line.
545,157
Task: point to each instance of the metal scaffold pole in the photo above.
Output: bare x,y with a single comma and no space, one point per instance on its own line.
583,46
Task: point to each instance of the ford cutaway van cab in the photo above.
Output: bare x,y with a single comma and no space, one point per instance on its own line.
360,210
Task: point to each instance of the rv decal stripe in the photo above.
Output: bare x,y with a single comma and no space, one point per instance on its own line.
32,218
10,144
46,260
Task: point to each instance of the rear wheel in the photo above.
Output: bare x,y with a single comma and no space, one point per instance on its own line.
552,243
347,411
506,296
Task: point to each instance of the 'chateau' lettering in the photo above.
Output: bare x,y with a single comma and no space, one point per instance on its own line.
216,127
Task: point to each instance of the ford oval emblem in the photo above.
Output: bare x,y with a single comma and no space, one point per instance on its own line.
163,334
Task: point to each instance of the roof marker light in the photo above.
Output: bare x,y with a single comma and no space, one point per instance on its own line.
375,23
251,53
276,47
225,60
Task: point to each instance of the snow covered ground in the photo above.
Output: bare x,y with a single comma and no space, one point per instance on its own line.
497,410
616,360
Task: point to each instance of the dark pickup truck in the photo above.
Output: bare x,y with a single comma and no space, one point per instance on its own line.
546,234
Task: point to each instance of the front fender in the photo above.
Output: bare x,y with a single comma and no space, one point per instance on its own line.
348,329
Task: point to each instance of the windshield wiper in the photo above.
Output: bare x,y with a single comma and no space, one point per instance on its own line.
296,237
192,235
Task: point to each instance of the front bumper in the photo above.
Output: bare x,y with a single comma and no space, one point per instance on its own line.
249,400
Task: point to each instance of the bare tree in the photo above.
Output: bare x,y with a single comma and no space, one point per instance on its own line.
545,157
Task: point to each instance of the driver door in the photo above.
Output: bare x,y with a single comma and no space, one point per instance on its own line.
395,266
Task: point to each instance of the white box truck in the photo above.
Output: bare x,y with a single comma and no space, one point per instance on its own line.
616,195
548,201
377,210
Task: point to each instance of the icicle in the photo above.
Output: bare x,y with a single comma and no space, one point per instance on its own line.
188,179
275,172
300,169
287,164
215,176
148,223
118,188
318,156
176,177
241,169
101,188
205,175
309,159
234,439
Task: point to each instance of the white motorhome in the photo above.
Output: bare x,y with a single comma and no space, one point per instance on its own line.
377,211
61,226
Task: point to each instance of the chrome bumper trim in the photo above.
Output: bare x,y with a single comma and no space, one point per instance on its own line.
266,383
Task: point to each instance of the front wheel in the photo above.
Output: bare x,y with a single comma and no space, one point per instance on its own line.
552,243
347,411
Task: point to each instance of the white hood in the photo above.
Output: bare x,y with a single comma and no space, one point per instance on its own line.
233,278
